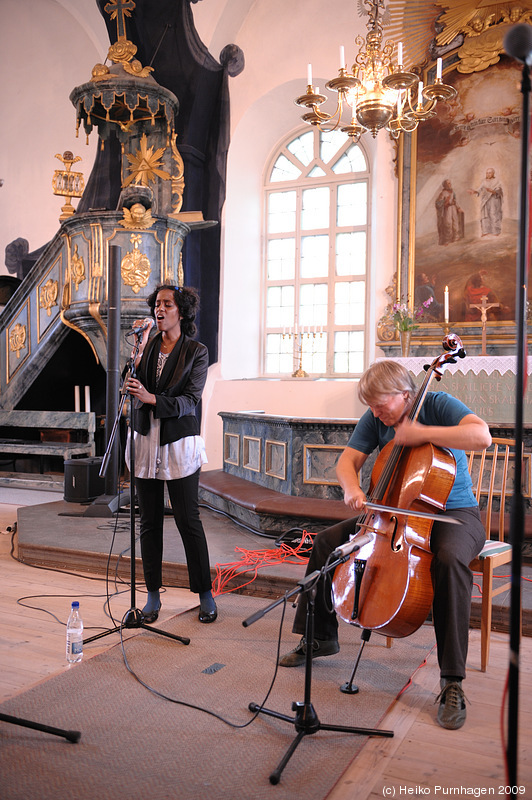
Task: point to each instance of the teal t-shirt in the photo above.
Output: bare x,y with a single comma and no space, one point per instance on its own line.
438,408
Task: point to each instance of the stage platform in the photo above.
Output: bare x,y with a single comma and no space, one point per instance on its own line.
63,535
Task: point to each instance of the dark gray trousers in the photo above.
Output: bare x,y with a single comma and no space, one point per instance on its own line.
453,548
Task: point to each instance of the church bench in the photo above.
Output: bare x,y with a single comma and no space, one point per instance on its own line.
47,433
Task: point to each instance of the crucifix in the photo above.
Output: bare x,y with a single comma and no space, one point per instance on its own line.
484,307
119,10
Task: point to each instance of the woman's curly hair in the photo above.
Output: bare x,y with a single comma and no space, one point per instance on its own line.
186,299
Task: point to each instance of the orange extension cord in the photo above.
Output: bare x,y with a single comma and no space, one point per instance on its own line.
253,560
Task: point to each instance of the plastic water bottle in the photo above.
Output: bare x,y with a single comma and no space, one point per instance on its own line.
74,635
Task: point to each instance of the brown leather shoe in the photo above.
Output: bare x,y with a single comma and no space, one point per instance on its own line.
320,647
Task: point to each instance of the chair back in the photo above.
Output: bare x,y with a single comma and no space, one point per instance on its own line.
489,472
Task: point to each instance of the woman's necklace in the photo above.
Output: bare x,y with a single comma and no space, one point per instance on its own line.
167,347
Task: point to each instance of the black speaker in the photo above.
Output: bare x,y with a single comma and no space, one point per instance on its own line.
82,481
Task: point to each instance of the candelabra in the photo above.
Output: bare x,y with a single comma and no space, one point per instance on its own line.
299,336
378,91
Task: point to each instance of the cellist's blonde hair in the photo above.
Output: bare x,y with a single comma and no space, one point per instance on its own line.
384,378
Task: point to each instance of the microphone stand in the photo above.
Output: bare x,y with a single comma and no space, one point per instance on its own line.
517,511
133,618
306,720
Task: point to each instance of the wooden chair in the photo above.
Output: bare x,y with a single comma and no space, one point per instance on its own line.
489,472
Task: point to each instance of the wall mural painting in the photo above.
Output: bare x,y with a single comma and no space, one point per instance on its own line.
467,197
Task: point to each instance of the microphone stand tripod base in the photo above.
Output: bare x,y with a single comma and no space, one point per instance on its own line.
349,688
306,720
133,618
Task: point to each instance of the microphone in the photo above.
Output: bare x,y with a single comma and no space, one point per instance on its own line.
518,43
146,324
357,543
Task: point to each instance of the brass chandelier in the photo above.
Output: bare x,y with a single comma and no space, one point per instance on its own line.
377,92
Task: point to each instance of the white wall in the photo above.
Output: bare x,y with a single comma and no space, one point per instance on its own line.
47,48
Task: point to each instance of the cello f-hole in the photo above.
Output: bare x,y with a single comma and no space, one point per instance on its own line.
395,547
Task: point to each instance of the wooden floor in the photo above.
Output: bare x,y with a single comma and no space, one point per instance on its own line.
421,758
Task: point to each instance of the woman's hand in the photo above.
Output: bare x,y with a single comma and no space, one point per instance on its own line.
136,389
138,323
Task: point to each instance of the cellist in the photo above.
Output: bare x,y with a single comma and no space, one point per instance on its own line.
389,391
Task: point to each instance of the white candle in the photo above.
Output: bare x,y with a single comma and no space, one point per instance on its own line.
309,74
87,398
342,57
438,69
446,304
420,92
400,54
76,399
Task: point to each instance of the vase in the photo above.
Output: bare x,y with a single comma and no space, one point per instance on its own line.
405,337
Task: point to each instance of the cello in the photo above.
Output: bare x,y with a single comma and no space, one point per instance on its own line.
386,585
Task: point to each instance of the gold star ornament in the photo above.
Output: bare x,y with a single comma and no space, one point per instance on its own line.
145,165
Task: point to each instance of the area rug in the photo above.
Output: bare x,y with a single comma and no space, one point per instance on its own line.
194,737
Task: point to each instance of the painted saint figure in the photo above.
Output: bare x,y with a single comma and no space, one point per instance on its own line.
449,215
490,194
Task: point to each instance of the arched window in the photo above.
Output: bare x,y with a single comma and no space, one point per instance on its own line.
316,235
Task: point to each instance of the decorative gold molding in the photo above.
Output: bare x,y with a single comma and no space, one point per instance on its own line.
385,326
232,449
483,27
308,477
135,267
145,165
275,467
68,184
180,271
137,217
48,295
251,453
77,267
178,180
17,338
67,299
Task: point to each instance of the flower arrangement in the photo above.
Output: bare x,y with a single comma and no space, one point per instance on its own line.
404,319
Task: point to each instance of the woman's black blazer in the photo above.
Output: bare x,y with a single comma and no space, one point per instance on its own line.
179,389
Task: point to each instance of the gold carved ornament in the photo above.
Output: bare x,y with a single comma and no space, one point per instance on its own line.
77,268
48,295
17,338
66,183
178,180
137,217
145,165
123,50
483,26
385,327
135,267
66,300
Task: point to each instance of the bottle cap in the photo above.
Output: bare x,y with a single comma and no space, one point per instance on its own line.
75,604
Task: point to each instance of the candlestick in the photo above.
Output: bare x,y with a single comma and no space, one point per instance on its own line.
87,398
420,93
400,54
309,74
342,57
446,304
76,399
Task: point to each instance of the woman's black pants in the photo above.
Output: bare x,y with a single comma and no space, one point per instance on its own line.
183,494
